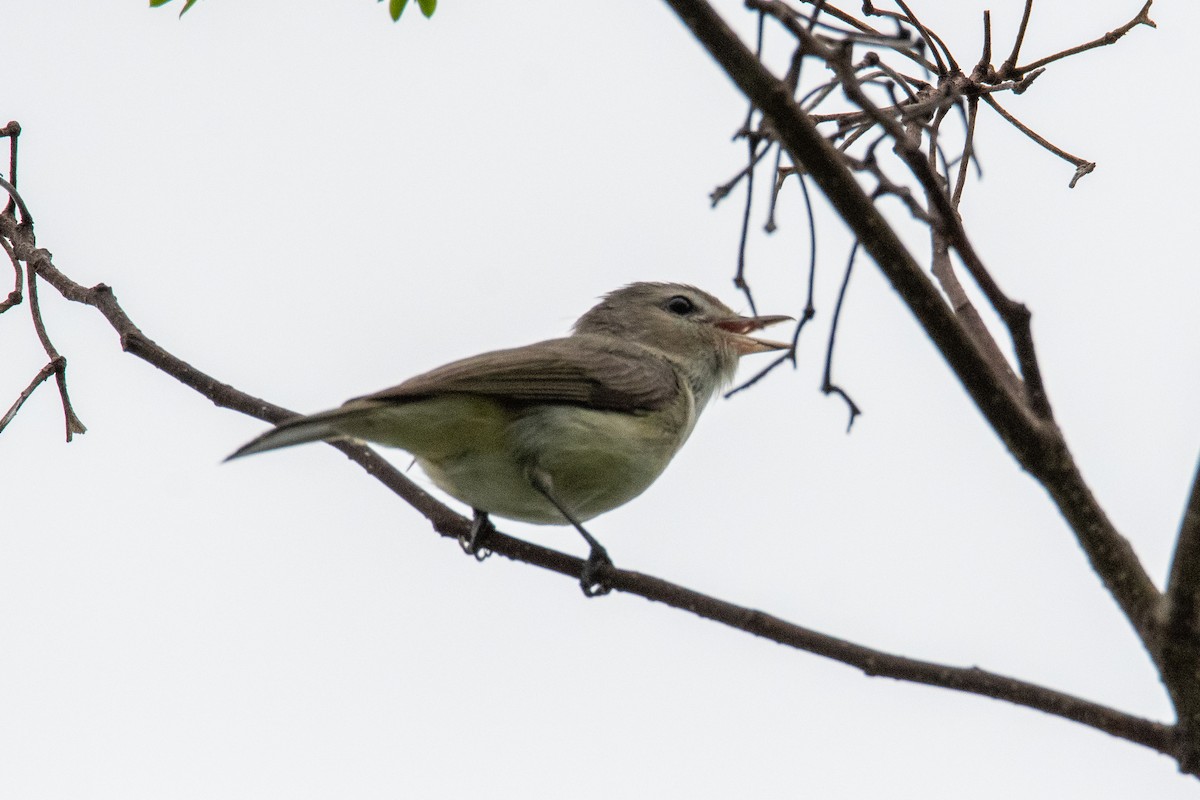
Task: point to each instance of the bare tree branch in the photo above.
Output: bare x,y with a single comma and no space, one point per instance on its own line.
1181,649
971,680
1034,440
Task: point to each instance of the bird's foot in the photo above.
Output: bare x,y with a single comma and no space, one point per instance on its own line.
589,580
475,542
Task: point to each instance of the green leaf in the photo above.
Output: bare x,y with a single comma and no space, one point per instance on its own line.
186,5
396,7
427,7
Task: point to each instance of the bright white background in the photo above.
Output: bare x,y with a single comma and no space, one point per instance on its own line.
312,203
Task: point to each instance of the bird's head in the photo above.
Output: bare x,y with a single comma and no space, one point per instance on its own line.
696,331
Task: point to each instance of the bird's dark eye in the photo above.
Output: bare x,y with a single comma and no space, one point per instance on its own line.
680,305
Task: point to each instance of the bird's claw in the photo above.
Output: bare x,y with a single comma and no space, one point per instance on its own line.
589,579
475,541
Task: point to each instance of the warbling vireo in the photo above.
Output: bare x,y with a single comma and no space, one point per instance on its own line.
560,431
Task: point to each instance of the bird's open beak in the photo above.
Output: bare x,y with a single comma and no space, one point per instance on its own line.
737,327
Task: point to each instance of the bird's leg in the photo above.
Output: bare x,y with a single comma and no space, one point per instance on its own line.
598,558
475,542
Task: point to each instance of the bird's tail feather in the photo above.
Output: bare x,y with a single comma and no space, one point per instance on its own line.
297,430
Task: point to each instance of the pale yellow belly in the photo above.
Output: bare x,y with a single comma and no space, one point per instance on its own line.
595,460
481,452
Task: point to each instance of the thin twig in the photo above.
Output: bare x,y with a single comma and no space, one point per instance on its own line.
932,40
25,218
13,132
968,144
739,280
44,373
1142,18
903,81
809,310
787,15
762,373
1010,62
885,186
817,95
859,132
984,65
827,384
758,44
721,192
71,422
17,294
934,147
769,226
1082,165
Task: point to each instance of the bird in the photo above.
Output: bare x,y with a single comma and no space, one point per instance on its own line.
563,430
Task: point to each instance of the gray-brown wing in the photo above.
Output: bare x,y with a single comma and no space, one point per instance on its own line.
593,371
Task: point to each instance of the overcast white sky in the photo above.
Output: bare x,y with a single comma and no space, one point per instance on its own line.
311,203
